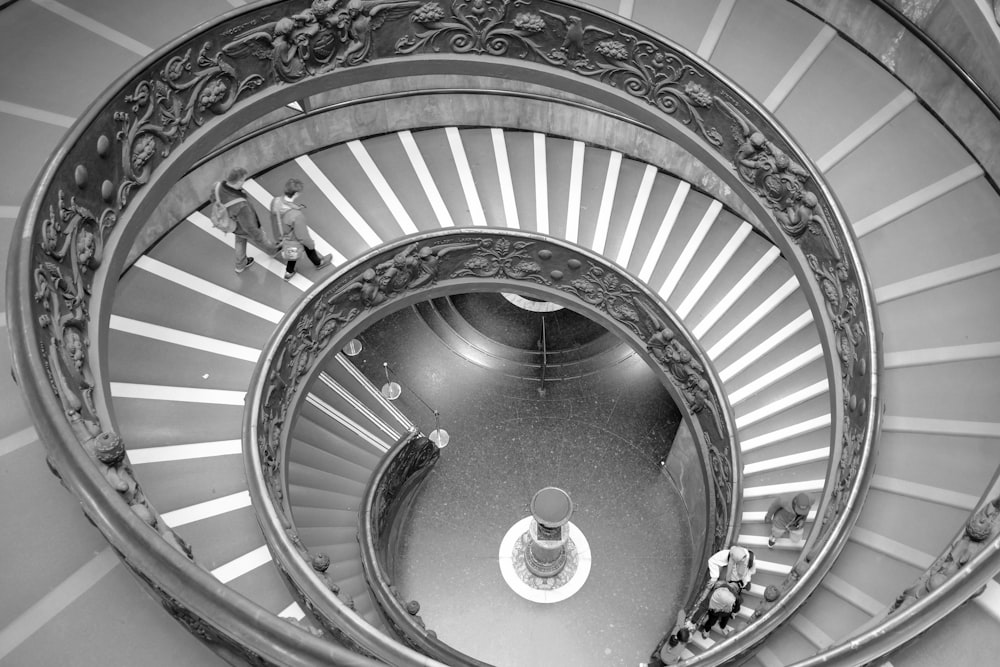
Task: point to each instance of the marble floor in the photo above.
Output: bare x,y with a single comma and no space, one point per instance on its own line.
599,437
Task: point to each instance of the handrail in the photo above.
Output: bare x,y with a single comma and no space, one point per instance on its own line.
387,496
945,57
425,266
148,128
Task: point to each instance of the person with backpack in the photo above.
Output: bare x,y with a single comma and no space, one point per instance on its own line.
291,224
233,212
725,601
738,563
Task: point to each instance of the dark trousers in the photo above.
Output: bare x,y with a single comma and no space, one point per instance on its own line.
311,254
713,616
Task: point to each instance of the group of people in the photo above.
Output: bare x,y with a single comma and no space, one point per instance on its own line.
290,234
729,572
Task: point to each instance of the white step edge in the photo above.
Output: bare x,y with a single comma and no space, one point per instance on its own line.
246,563
348,423
911,202
941,355
775,490
932,494
209,289
207,509
765,346
865,131
783,403
742,285
852,595
572,233
941,426
363,380
339,201
791,460
714,270
507,196
359,406
655,252
426,179
799,68
755,316
159,392
775,374
184,338
382,187
603,224
935,279
635,217
465,176
195,450
786,433
541,183
892,548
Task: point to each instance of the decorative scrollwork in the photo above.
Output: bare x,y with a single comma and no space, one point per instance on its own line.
841,297
638,66
605,290
501,258
164,108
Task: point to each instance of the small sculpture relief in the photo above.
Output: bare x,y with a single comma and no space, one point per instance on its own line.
779,180
327,35
576,33
688,373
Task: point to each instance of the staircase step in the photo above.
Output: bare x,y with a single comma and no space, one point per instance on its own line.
307,496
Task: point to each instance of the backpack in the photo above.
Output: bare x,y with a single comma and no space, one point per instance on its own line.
221,219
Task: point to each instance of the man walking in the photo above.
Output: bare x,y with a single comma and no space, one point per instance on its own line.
234,198
295,236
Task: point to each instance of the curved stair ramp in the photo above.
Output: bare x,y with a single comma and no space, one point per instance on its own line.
876,135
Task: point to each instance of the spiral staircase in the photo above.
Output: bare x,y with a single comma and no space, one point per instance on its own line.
186,331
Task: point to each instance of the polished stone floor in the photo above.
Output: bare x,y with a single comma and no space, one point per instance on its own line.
600,438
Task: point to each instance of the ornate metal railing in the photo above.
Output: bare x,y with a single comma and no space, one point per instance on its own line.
445,262
90,203
387,500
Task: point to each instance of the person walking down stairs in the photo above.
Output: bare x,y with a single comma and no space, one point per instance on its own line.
295,236
738,563
787,517
231,194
